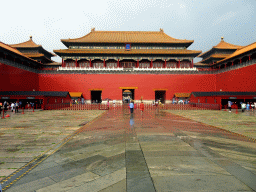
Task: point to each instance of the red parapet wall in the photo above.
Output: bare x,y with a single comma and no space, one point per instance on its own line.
241,80
145,84
16,79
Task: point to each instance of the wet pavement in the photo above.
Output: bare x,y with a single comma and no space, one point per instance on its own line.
154,151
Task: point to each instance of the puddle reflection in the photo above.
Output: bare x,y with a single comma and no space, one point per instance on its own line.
131,119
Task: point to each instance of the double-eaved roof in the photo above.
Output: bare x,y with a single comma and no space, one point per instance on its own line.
218,52
127,37
32,50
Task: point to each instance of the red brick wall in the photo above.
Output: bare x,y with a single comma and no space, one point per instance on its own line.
15,79
243,79
110,84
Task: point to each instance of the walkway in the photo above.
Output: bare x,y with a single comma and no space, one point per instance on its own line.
155,151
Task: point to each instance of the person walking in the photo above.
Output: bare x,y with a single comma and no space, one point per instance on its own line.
131,106
229,105
248,106
142,107
243,106
16,107
252,105
12,106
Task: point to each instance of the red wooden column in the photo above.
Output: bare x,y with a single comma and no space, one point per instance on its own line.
62,64
118,64
240,61
90,63
232,63
151,63
104,63
165,63
249,57
76,63
138,63
192,64
178,64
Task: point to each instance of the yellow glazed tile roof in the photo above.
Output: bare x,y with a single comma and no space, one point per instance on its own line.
75,94
182,94
29,43
8,47
240,51
14,50
223,45
219,56
123,51
127,37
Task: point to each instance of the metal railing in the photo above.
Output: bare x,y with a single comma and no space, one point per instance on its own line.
190,106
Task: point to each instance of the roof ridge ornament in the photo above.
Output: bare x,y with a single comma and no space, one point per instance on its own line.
30,37
222,38
161,30
93,29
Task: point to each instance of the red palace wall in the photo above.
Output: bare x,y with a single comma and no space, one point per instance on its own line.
243,79
16,79
111,83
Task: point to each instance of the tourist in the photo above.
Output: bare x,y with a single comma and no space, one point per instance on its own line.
131,105
243,106
142,107
16,107
248,106
5,106
230,105
12,106
252,106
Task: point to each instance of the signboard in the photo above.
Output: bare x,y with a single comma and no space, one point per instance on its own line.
30,97
232,97
5,97
128,47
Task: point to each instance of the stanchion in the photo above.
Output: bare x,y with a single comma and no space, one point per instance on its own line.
22,110
33,109
3,114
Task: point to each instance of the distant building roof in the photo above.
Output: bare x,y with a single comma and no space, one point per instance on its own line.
30,44
15,51
238,52
182,94
127,37
222,45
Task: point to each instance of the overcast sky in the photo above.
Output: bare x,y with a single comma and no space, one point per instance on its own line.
204,21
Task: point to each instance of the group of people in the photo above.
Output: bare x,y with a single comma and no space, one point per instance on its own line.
248,106
131,106
13,105
244,106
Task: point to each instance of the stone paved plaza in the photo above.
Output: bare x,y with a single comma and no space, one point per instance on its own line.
153,151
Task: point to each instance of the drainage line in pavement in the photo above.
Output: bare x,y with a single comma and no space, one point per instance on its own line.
138,177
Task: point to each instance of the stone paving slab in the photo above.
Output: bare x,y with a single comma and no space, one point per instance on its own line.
159,152
68,184
31,134
197,183
102,182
